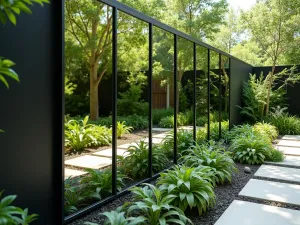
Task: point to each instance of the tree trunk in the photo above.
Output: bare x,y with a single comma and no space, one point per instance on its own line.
270,82
94,102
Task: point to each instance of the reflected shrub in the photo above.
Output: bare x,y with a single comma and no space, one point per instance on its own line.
158,114
135,165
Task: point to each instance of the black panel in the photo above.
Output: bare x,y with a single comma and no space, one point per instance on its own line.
239,73
31,113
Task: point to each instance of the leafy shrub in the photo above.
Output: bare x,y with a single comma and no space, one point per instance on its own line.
156,207
130,102
201,121
79,134
239,131
167,122
158,114
135,164
201,134
183,119
251,149
214,155
118,218
285,123
184,141
187,188
76,195
266,129
275,156
214,130
101,181
12,215
123,129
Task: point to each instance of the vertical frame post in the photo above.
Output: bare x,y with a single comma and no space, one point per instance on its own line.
114,95
220,97
208,94
229,101
175,98
194,91
150,73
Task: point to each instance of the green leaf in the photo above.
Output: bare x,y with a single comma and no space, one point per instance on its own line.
11,16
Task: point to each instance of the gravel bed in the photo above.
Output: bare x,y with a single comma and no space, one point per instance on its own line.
225,194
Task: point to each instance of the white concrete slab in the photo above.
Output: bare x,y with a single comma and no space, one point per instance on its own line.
108,152
161,129
154,140
289,143
289,150
272,191
248,213
289,160
279,172
162,135
73,173
88,161
125,146
291,137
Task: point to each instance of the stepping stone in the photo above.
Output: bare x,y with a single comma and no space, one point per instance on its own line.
289,150
126,146
291,137
289,160
162,135
88,161
108,153
288,143
248,213
154,140
186,128
272,191
278,172
73,173
161,129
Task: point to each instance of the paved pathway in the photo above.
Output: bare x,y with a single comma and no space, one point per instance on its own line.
102,158
279,189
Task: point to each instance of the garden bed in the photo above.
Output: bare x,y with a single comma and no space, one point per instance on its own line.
225,194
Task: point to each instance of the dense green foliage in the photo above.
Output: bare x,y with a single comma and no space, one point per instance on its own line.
123,129
156,207
285,123
135,165
275,156
188,188
13,215
214,155
159,114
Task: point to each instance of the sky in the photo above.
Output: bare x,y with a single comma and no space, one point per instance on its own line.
241,4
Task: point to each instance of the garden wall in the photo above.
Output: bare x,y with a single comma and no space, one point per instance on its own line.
292,91
31,113
239,73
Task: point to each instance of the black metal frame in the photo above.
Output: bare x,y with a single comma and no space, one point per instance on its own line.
117,6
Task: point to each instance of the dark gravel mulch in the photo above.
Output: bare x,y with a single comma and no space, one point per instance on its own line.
225,194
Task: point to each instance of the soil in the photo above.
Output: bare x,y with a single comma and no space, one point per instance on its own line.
225,194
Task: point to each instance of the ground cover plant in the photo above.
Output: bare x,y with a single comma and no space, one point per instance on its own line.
156,207
188,188
123,129
214,155
135,165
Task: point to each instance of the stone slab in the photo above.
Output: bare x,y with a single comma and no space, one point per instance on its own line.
161,129
88,161
248,213
162,135
289,150
272,191
291,137
73,173
108,152
289,143
279,172
154,140
289,160
125,146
